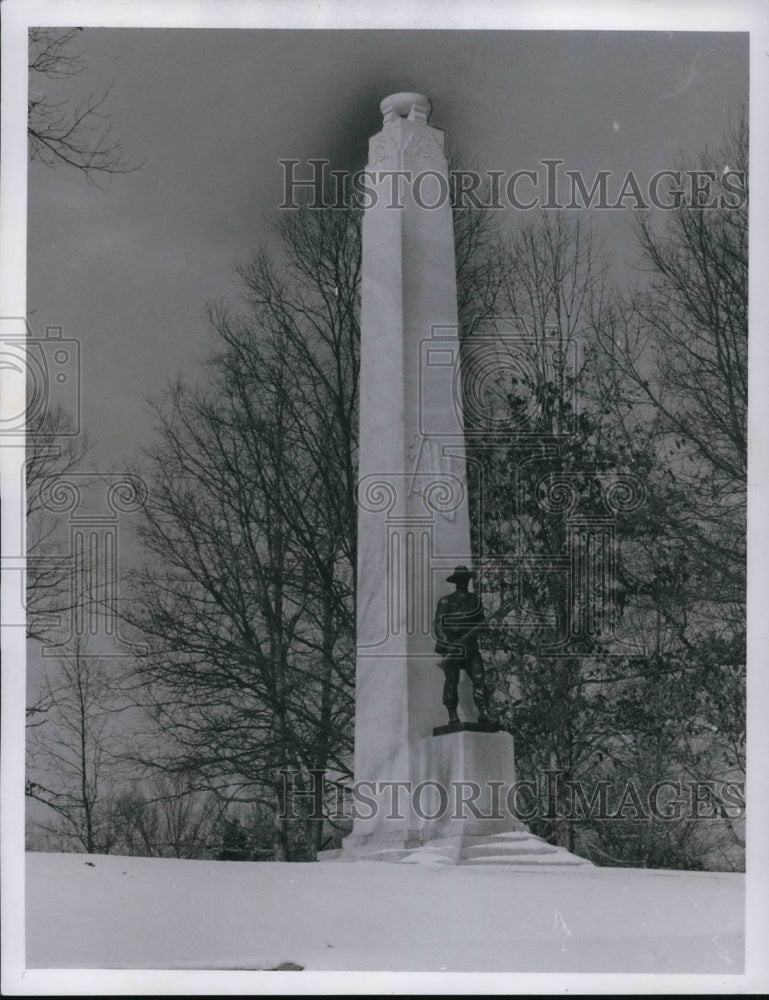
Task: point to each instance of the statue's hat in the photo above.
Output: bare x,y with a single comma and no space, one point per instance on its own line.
460,573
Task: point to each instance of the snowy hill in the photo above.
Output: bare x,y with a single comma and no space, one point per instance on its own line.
114,912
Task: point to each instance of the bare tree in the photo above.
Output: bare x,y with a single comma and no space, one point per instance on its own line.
677,351
167,816
565,421
53,450
248,601
77,133
72,753
479,255
528,433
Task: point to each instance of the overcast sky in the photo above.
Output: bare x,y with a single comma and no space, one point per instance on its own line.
127,270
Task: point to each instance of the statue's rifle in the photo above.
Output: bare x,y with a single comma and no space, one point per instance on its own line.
466,636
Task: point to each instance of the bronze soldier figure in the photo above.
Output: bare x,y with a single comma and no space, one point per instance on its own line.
457,618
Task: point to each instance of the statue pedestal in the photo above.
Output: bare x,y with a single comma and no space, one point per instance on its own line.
462,791
466,775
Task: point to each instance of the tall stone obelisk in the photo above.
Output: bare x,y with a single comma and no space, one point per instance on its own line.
413,524
414,528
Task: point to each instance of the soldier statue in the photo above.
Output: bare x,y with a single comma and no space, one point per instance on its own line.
458,619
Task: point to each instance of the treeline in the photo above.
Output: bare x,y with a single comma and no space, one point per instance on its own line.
619,490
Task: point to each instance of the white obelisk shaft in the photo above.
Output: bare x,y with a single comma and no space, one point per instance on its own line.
413,524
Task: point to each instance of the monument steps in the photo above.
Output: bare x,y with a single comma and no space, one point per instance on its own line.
495,839
516,848
492,850
513,861
512,849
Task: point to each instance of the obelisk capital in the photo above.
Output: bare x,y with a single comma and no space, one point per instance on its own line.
407,140
415,107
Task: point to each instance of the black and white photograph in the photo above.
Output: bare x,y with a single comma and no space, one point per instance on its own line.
384,458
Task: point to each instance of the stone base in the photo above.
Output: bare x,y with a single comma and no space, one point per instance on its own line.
460,810
459,792
466,772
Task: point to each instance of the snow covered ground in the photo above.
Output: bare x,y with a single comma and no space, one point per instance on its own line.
111,912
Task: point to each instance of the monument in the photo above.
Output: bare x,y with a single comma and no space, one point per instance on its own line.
421,783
